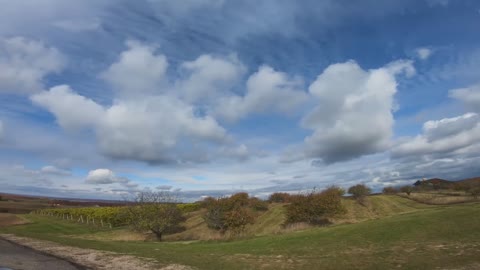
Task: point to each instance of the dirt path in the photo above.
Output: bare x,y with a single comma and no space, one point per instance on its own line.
88,258
18,257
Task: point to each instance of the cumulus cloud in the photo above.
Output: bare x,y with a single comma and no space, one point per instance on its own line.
354,114
267,90
470,96
442,138
209,77
138,70
106,176
149,130
24,63
101,176
72,111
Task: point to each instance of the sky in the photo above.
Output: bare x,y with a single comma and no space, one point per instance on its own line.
101,99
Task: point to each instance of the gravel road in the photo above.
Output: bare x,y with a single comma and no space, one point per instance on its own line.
21,258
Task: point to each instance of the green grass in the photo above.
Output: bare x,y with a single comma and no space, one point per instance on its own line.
424,238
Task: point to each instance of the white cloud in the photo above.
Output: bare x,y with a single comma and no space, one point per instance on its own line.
267,91
154,129
442,137
469,95
354,115
423,53
72,111
138,70
439,129
24,63
151,129
209,77
101,177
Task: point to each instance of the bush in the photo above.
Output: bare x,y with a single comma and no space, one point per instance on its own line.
359,192
389,190
407,189
232,213
474,191
279,197
461,187
315,208
257,204
189,207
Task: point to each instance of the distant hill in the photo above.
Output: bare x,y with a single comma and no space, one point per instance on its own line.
471,181
475,181
434,182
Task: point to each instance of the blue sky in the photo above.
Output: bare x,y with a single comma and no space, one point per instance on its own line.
103,98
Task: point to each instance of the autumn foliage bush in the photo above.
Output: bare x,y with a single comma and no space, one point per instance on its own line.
389,190
315,207
279,197
232,213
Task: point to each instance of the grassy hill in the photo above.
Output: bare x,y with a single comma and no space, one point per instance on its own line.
271,221
395,233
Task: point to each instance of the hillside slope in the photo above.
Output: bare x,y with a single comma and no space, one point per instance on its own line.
271,221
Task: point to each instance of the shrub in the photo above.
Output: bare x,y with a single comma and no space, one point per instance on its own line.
461,187
279,197
474,191
232,213
315,208
359,192
189,207
237,219
389,190
407,189
257,204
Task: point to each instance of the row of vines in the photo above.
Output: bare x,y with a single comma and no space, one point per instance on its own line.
101,216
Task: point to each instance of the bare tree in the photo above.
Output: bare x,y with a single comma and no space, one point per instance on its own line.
155,211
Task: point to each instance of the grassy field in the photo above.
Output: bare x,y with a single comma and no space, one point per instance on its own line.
414,236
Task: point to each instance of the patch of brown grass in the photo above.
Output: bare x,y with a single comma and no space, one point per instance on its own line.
7,219
440,197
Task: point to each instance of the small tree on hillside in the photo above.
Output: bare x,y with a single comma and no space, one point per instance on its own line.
154,211
359,192
407,189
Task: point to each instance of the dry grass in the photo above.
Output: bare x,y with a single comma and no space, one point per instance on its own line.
11,220
440,197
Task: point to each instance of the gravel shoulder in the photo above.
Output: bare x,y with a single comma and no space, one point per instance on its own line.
84,258
19,257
